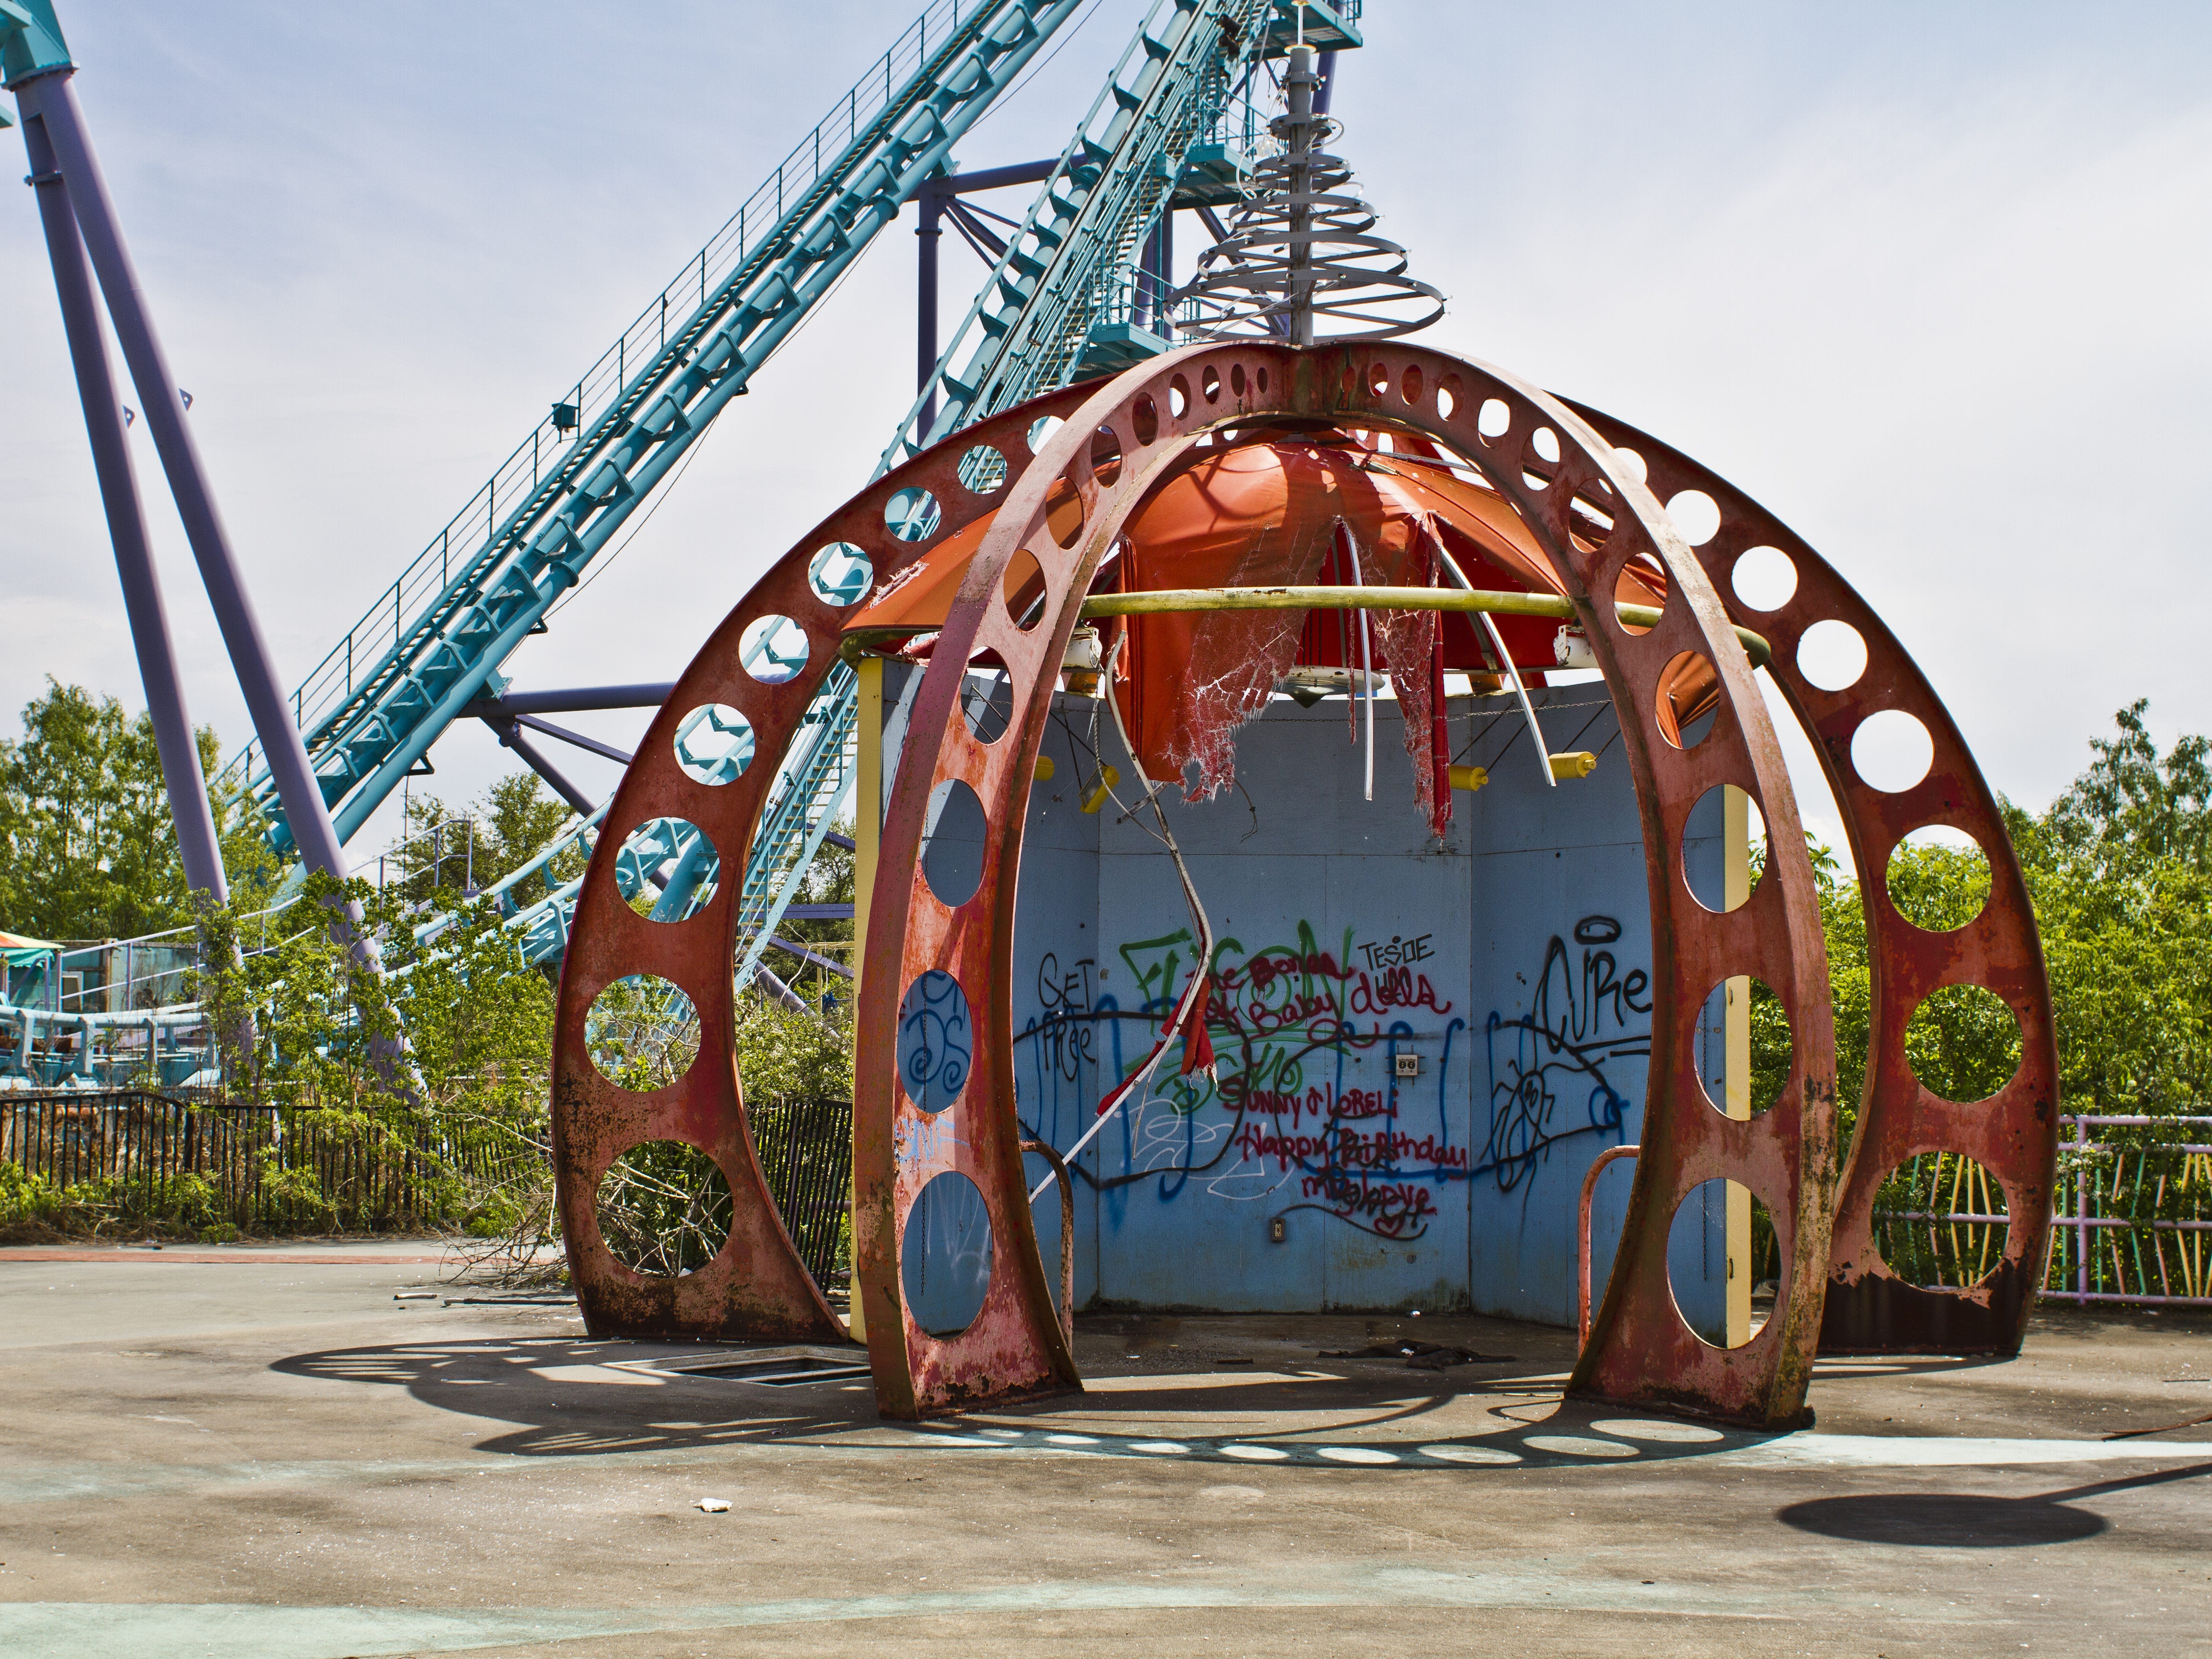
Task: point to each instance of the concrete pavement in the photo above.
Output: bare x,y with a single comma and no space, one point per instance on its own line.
262,1455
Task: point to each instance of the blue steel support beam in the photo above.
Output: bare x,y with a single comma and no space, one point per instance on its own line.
930,201
30,42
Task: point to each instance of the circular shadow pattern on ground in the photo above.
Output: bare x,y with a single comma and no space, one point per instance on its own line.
1936,1520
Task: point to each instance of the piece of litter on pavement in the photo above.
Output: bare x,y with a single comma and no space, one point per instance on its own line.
712,1505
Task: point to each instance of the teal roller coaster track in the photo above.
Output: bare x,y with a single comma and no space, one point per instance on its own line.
1074,290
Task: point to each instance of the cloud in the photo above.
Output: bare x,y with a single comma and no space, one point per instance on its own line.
1928,287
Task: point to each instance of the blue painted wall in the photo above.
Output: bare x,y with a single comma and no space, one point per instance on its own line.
1513,959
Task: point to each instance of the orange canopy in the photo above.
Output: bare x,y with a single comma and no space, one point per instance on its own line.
1276,506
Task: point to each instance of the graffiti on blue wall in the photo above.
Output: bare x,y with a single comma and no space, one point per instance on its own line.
1553,1070
1289,1023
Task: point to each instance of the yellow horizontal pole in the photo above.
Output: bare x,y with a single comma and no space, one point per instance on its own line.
1169,600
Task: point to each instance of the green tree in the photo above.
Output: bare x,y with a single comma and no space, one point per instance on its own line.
2119,872
87,846
442,850
306,1027
2133,808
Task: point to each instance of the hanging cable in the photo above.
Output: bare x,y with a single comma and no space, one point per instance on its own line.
1187,1020
1366,653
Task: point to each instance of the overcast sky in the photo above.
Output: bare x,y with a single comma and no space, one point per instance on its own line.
1929,280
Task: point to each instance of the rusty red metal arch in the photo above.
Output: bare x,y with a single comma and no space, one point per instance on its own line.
2014,1133
756,1284
1640,1349
1542,455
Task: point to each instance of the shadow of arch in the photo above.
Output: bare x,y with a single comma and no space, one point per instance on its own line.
1964,1521
1935,1520
562,1397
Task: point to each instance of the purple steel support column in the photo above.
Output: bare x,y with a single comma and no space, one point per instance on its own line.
198,844
1143,290
929,205
1165,271
51,98
510,733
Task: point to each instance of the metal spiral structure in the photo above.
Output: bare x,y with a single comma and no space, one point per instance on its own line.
1303,247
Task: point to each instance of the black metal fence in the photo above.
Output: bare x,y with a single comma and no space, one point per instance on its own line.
133,1156
805,1150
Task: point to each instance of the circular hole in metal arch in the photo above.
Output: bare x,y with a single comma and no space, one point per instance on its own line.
840,573
1450,394
1643,580
1023,586
664,1209
1708,850
1144,419
1941,1221
1040,431
1106,456
1494,419
1715,1219
1633,463
1747,1004
1546,443
1697,516
945,1255
1064,513
1410,384
774,649
714,744
1765,578
1209,382
1378,380
912,514
1260,374
1963,1043
1178,397
984,471
1831,655
1938,877
986,702
1687,700
1236,379
936,1042
1892,751
641,1033
1590,515
667,869
952,843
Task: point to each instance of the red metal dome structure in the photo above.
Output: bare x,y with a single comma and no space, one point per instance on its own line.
1228,467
